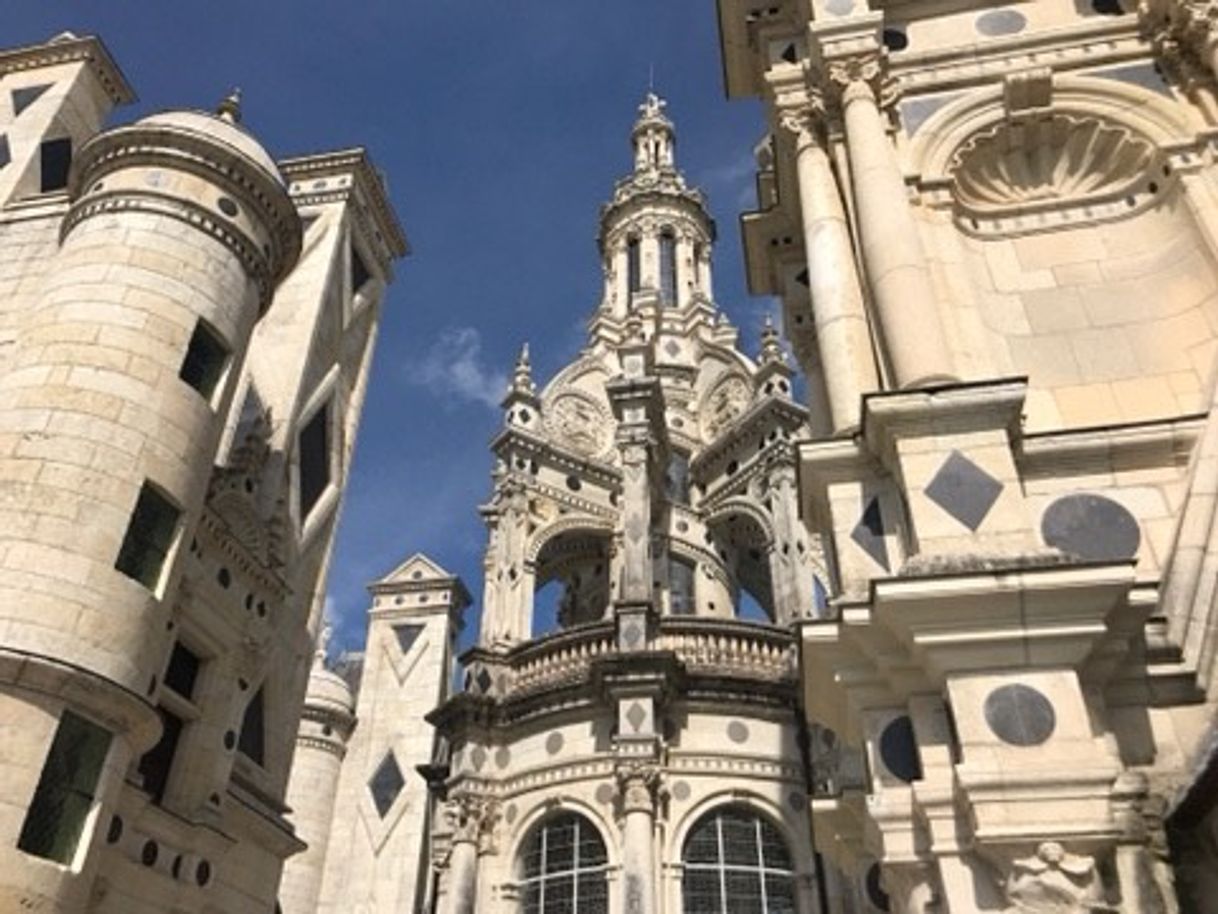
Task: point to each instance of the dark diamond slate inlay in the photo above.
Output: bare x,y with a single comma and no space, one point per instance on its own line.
869,534
386,783
483,680
964,490
26,96
5,155
407,635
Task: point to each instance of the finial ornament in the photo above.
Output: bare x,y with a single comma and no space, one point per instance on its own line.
229,108
323,643
771,349
522,377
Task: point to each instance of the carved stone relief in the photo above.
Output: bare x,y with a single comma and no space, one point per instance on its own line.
579,422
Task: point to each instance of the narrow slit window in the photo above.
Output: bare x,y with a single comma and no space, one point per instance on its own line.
634,277
668,268
56,818
360,273
252,743
206,358
56,159
314,454
149,538
676,480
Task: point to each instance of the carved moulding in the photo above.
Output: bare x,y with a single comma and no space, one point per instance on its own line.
1089,150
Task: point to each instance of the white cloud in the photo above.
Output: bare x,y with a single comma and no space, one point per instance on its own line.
453,367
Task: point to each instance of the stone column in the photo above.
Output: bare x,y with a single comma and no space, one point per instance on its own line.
469,818
843,339
637,784
889,235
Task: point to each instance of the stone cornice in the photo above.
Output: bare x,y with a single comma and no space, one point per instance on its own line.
88,49
304,172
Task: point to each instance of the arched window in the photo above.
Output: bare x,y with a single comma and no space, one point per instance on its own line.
735,860
563,868
634,272
668,268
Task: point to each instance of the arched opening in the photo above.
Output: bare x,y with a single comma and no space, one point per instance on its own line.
736,860
743,547
563,866
668,268
634,271
571,581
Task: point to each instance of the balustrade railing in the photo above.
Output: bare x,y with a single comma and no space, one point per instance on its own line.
720,647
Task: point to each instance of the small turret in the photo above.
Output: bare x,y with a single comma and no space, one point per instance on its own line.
773,378
521,406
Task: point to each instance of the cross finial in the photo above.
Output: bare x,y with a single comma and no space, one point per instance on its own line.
229,108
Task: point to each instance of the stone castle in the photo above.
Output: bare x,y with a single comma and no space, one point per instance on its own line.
924,623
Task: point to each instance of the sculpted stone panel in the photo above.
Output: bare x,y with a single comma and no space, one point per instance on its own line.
579,422
727,400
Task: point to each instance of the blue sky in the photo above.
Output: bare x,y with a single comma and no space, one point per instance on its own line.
501,127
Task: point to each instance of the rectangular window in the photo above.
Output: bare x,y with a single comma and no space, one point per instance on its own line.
681,587
668,269
56,818
252,743
156,764
182,671
314,455
206,356
56,158
149,538
676,480
634,272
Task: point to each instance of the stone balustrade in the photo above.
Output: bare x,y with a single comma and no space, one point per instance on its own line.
717,647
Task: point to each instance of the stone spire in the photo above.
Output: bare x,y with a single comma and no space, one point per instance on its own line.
521,406
771,349
522,377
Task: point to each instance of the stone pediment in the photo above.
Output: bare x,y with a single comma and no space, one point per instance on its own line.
416,569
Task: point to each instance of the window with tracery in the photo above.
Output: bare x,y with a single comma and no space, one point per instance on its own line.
564,867
736,862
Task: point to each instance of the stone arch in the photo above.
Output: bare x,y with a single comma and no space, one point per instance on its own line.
743,540
562,526
576,558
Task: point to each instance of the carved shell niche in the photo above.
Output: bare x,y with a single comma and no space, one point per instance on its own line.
579,422
1046,160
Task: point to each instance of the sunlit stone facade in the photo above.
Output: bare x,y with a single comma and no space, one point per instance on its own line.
992,230
181,381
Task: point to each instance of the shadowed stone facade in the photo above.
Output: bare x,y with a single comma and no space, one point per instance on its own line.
183,356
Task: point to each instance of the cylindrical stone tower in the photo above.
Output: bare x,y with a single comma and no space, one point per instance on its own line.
321,745
111,407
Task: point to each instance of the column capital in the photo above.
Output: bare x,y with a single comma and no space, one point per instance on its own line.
861,77
804,119
470,817
639,786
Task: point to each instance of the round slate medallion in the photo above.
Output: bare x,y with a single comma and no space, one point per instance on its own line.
681,790
1001,22
1020,715
604,794
1092,527
899,750
554,743
737,731
503,757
